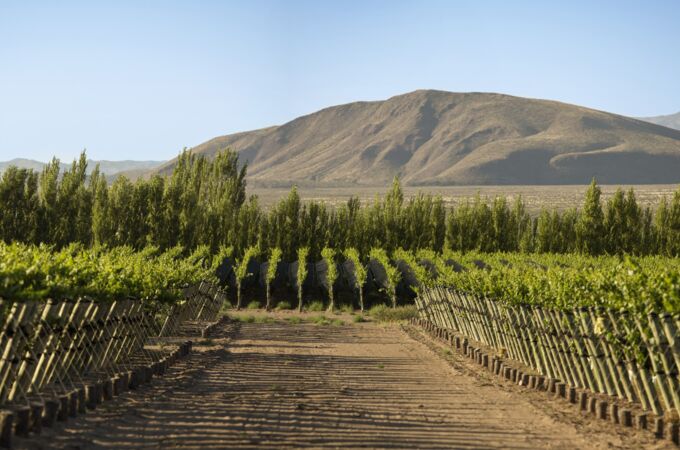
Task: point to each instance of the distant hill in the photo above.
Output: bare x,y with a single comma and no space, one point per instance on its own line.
109,168
670,121
434,137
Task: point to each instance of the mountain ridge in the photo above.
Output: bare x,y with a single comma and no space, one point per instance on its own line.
107,167
430,137
669,120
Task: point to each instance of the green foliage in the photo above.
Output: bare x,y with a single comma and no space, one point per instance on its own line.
241,267
393,274
315,306
421,273
348,309
241,271
302,254
254,304
320,320
203,203
360,273
274,258
219,257
383,313
328,255
358,318
641,285
590,224
283,305
36,273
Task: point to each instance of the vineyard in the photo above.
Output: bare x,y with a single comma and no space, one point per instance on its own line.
82,326
106,289
605,325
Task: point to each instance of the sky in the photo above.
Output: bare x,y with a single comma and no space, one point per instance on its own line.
142,79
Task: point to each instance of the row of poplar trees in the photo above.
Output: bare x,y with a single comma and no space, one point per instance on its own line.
203,202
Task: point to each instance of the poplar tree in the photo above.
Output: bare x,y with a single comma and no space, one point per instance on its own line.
360,273
328,255
19,205
301,274
270,275
590,224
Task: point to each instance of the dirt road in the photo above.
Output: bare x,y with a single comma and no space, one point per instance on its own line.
272,385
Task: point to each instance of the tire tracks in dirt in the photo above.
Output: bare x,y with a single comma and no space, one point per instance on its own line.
274,385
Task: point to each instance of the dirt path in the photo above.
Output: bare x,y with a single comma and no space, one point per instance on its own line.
272,385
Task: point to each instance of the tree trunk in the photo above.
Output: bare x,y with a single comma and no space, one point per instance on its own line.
361,299
238,295
300,298
331,304
269,306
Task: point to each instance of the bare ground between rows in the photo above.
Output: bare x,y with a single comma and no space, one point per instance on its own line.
273,385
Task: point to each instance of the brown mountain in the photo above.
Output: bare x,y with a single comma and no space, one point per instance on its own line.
435,137
670,121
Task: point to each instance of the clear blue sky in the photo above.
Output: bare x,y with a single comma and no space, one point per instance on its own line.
141,80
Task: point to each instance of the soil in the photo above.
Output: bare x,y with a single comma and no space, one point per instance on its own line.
357,385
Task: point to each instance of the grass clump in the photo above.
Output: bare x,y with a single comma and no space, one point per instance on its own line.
383,313
358,318
316,306
337,322
245,319
283,305
347,309
254,305
320,320
294,320
264,319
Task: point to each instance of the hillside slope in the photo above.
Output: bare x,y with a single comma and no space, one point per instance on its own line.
435,137
670,121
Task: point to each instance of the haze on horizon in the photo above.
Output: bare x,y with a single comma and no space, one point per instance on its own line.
140,82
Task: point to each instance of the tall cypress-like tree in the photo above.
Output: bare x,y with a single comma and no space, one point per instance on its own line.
102,226
48,214
590,225
19,205
615,223
394,201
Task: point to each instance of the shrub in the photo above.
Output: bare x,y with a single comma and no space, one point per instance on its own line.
283,305
315,306
383,313
320,320
347,309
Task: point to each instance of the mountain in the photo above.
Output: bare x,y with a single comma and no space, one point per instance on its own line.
22,164
109,168
670,121
441,138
